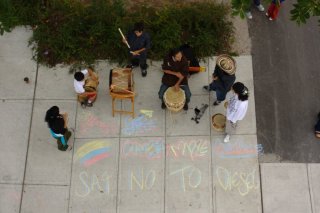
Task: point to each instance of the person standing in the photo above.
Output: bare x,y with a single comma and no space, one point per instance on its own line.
258,5
57,123
236,108
140,43
222,78
175,68
273,10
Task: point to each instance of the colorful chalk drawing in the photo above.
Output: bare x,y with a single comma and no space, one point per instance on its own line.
147,113
237,150
152,149
141,179
139,125
243,182
93,152
192,149
91,121
93,183
190,177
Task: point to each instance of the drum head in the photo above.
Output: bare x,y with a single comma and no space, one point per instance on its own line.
174,100
219,122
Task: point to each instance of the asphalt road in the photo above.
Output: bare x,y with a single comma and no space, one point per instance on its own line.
286,66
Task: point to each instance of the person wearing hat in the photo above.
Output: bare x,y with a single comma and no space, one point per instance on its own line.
236,108
223,77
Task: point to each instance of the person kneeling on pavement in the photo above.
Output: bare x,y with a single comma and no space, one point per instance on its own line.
85,85
175,68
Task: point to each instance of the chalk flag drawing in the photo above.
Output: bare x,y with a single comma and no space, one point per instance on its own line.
237,150
138,125
147,113
90,121
243,182
92,152
148,150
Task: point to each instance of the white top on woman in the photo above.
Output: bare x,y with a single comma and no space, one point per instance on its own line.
236,109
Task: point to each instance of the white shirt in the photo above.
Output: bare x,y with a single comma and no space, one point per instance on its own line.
236,109
78,85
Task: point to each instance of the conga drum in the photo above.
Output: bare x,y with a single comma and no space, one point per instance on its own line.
174,100
219,122
90,85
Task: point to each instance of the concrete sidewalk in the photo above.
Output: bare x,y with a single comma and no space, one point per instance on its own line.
156,162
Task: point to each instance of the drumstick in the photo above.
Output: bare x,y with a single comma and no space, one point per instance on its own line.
113,85
124,38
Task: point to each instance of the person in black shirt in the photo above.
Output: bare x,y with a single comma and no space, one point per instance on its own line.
140,43
222,78
175,68
58,124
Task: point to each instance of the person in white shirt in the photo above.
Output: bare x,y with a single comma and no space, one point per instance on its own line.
236,108
85,97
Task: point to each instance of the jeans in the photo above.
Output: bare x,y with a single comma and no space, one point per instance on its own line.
221,95
140,60
187,92
256,2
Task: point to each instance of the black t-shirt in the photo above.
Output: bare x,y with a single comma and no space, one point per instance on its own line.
57,126
175,66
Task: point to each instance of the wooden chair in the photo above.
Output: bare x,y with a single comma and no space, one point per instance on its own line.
121,90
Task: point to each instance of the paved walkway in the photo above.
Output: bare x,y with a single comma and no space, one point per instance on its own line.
156,162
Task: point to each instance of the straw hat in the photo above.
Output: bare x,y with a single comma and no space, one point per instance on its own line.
226,63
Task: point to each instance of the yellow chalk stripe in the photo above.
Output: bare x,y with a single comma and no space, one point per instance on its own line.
88,147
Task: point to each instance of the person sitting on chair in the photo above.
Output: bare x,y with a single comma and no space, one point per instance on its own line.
58,124
86,98
175,68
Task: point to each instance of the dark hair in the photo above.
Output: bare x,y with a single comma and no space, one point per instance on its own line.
241,90
79,76
139,26
51,115
174,52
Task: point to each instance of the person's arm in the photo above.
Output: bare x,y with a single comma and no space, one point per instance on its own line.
147,45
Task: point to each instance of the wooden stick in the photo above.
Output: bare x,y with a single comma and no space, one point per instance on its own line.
124,38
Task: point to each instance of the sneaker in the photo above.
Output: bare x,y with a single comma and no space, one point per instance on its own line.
186,107
270,19
216,103
163,105
267,14
226,139
260,7
89,104
249,15
144,73
206,88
